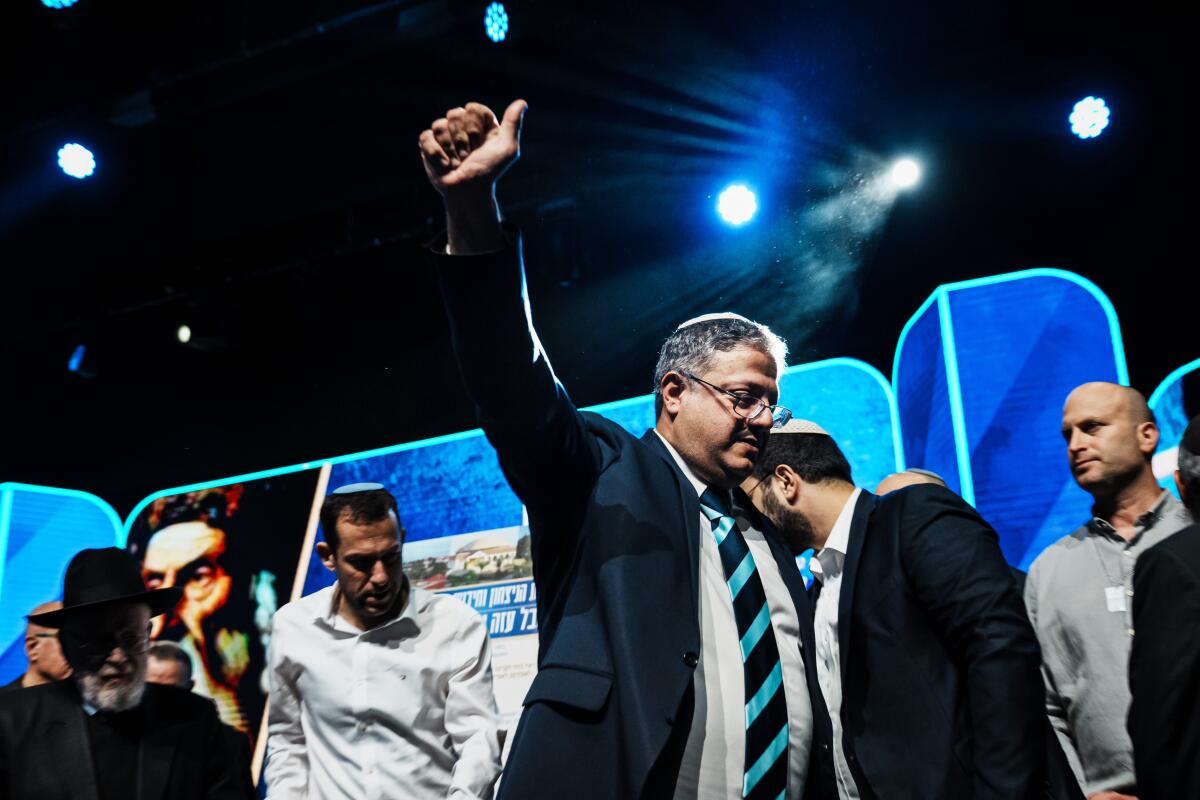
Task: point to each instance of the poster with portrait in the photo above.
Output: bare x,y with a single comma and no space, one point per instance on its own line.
233,551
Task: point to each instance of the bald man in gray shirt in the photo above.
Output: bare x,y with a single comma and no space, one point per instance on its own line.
1079,589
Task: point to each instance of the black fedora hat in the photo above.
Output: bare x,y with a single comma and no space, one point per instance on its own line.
102,577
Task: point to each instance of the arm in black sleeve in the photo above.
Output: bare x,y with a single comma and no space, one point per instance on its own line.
956,568
1163,669
548,455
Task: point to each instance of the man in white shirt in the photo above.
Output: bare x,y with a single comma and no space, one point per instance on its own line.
378,689
925,659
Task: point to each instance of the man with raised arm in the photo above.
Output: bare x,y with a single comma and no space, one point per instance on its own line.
676,644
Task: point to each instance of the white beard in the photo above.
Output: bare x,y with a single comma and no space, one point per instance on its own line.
123,697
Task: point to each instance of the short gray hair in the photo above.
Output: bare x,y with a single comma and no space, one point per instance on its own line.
692,346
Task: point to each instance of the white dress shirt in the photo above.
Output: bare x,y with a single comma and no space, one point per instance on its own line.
827,567
714,758
404,710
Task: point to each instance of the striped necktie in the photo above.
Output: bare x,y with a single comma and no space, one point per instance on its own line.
765,772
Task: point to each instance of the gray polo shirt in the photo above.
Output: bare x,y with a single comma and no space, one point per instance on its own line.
1079,596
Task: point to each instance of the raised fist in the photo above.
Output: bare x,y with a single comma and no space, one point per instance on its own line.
466,151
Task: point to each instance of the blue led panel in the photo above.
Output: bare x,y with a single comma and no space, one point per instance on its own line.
1174,403
919,378
40,530
1012,348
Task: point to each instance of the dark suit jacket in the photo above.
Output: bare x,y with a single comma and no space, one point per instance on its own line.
45,754
942,697
1164,668
614,529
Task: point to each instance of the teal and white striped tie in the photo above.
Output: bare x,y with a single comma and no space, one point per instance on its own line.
766,769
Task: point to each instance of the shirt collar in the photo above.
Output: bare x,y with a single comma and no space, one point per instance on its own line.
416,603
697,484
1145,522
833,554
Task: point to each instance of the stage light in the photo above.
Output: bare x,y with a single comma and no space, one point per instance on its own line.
495,22
737,204
76,359
1089,117
905,173
57,4
184,334
76,160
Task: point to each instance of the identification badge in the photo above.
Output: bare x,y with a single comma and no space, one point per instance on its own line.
1114,596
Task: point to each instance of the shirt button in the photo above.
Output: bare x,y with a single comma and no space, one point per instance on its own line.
691,659
1129,592
1131,631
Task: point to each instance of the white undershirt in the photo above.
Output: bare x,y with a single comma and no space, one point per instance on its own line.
714,758
826,567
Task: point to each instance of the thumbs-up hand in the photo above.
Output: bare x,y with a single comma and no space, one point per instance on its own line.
466,151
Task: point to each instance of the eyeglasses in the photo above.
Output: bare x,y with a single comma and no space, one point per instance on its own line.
747,405
92,650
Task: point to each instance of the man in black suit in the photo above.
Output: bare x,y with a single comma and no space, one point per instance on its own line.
1164,664
105,734
675,640
925,658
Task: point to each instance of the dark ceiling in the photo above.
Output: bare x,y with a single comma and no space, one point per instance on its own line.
258,179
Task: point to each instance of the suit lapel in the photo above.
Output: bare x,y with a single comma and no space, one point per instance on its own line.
858,531
690,504
67,746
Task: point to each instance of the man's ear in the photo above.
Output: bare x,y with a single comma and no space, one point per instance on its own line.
789,483
671,387
1147,434
327,556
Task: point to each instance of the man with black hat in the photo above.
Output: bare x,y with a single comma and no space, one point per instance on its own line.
106,734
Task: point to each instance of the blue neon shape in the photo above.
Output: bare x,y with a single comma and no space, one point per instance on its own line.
950,355
1167,403
8,491
1170,380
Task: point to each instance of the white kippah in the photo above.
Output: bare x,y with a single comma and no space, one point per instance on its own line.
710,317
800,426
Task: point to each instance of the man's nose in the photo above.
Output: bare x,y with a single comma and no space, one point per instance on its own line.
763,419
